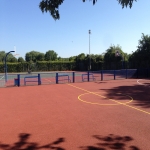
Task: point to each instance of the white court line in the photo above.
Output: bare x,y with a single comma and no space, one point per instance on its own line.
142,83
1,77
139,82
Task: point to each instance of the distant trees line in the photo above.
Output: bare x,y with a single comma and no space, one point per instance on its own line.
140,58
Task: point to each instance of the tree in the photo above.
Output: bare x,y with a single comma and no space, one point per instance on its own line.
20,59
31,56
40,57
2,56
99,58
110,56
12,59
72,58
50,55
52,6
141,57
81,57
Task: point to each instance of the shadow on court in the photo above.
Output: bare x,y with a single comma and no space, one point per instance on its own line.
112,142
139,93
24,144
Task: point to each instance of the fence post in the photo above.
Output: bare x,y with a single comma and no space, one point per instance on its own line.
56,78
114,74
101,75
88,76
39,79
18,79
73,77
126,73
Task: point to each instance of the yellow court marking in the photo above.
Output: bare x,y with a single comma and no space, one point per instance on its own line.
112,100
79,97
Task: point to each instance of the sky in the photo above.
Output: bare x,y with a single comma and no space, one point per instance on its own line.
23,25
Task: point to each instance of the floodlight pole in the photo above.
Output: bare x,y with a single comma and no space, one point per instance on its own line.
5,67
89,51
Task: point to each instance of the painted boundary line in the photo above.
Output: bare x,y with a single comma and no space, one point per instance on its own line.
1,77
138,81
79,97
110,99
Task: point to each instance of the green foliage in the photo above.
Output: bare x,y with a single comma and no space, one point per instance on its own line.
50,55
52,6
14,67
2,55
13,59
40,57
141,57
20,59
10,57
110,55
72,58
55,66
31,56
126,3
1,67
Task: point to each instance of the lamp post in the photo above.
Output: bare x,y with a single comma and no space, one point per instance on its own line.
5,67
89,51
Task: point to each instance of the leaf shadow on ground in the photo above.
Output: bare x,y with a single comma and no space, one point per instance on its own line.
111,142
139,93
24,144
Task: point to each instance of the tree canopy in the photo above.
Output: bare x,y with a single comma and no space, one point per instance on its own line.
52,6
50,55
142,55
10,57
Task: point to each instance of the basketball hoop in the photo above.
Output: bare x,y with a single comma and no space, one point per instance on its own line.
117,53
16,55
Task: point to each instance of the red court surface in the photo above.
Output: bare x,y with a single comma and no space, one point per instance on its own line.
108,115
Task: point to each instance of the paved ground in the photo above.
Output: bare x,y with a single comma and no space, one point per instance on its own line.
79,116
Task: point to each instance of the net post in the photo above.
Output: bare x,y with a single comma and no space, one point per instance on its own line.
73,77
18,76
114,74
101,75
88,76
126,73
56,78
39,79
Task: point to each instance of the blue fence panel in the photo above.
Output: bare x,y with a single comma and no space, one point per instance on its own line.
65,77
29,79
95,76
35,78
120,74
131,73
81,76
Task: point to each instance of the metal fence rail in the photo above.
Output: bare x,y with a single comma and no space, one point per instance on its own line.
71,77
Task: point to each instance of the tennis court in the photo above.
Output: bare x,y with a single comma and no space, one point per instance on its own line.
98,115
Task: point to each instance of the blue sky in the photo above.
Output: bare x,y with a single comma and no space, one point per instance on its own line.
22,24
